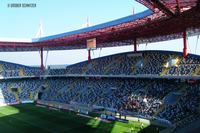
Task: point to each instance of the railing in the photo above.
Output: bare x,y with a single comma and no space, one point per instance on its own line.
147,76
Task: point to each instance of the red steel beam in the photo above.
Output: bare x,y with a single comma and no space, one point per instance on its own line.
185,53
41,59
89,55
139,28
162,7
178,7
135,45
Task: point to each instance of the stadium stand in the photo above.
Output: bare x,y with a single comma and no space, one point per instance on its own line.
158,63
141,63
8,69
140,97
19,90
173,100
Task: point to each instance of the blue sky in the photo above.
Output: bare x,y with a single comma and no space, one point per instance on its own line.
60,16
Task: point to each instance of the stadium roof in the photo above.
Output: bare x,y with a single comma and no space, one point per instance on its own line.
165,20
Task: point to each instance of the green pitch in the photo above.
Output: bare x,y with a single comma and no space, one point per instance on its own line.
27,118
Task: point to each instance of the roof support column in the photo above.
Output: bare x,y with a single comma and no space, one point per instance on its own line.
41,59
89,55
135,45
185,44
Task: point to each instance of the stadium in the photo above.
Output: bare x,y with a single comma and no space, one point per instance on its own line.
143,91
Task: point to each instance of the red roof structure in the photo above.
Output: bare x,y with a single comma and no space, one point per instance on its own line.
166,20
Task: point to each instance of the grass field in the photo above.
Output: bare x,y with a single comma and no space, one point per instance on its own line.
28,118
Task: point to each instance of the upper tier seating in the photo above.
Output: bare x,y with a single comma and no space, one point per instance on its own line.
13,70
140,63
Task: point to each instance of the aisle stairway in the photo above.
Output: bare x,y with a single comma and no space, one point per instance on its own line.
14,93
21,72
2,100
164,71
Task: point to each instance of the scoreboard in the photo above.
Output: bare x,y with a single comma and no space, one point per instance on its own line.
91,44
